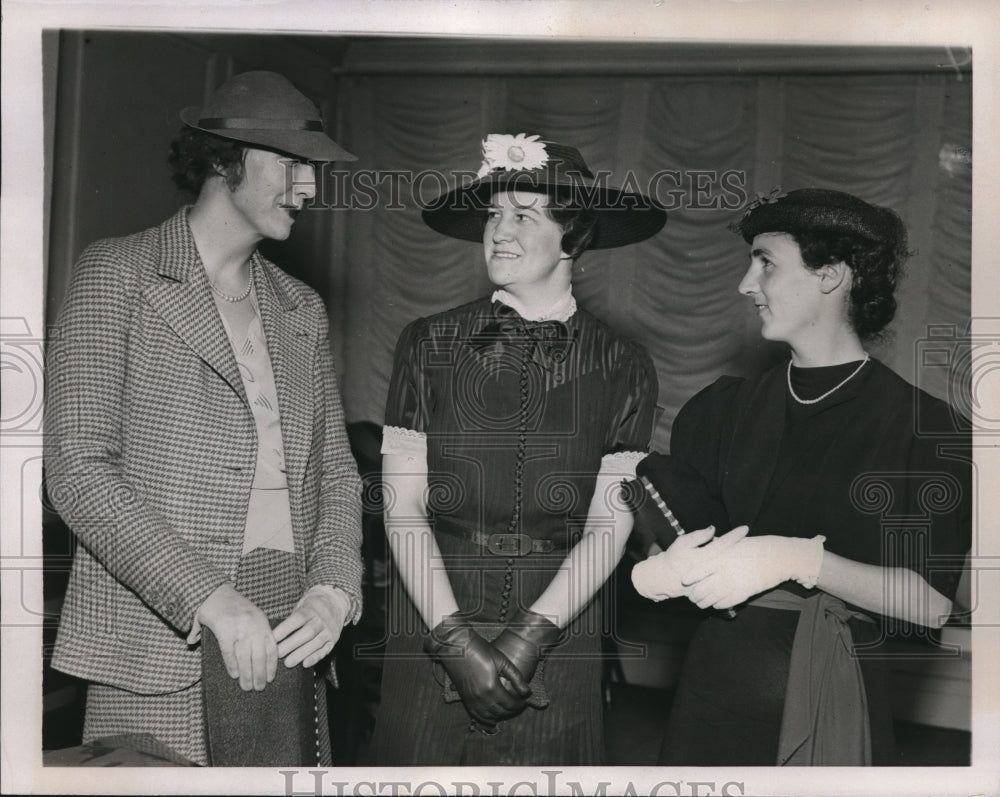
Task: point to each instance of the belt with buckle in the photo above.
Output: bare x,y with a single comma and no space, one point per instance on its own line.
511,544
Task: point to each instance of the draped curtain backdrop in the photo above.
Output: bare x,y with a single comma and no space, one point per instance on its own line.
885,137
889,124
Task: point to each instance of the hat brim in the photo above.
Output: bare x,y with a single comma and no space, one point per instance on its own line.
794,220
819,210
310,145
623,217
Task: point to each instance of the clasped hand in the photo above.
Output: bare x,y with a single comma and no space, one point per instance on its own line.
666,575
752,566
250,649
729,569
476,667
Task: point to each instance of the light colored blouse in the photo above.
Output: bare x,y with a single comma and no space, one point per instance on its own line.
269,517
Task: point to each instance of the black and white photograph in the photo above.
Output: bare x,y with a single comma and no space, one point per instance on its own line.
500,398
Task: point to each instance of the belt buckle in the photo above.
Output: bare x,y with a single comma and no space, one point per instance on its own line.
509,544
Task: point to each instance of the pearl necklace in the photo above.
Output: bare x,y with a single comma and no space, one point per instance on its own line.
832,390
229,298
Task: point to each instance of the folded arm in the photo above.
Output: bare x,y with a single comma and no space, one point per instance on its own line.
757,564
890,591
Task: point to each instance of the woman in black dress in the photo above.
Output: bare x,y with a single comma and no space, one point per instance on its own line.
510,424
856,487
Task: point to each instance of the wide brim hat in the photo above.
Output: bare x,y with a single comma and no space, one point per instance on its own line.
264,109
526,163
821,210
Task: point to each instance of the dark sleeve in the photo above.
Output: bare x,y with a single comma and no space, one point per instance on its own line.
635,392
409,402
686,481
942,494
698,435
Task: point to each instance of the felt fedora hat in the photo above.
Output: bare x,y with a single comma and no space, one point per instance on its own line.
527,163
264,109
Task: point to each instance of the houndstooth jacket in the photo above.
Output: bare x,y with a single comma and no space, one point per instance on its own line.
150,452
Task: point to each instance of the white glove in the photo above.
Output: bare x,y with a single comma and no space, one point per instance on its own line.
752,566
665,575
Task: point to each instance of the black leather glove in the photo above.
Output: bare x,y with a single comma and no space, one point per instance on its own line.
526,639
474,667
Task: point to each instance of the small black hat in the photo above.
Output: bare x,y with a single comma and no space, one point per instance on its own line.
821,210
526,163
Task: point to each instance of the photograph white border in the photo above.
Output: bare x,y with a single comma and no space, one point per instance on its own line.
956,23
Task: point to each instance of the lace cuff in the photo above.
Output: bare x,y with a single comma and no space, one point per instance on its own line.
622,463
410,443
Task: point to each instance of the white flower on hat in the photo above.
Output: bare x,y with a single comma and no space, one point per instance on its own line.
511,153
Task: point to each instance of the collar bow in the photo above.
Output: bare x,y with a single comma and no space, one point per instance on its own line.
552,339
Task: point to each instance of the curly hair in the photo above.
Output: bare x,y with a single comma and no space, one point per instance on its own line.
875,269
195,156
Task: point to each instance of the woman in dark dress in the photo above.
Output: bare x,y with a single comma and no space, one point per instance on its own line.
510,424
856,488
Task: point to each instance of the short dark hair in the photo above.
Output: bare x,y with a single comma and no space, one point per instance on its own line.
578,226
835,227
196,155
875,270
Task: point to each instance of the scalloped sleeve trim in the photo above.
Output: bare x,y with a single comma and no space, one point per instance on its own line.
409,442
622,462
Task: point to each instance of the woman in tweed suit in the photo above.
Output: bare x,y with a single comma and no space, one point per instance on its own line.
196,443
